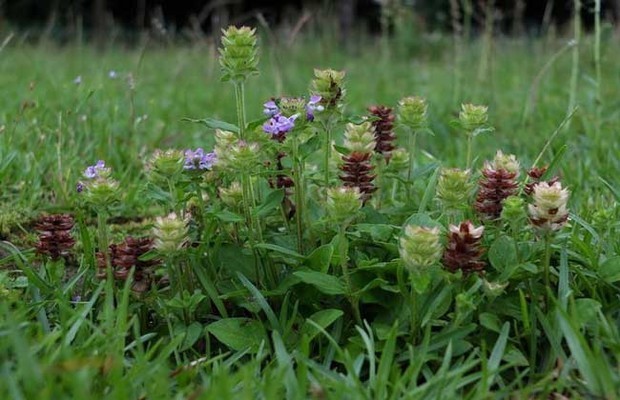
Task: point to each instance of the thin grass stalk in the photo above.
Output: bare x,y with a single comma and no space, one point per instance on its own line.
574,80
344,265
299,199
457,38
597,65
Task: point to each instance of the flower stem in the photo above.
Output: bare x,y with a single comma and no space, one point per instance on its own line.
328,153
412,139
342,253
546,268
298,179
413,304
470,141
240,103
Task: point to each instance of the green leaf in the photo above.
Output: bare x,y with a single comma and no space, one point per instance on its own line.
497,354
192,334
323,318
490,321
609,270
554,163
250,126
279,249
502,253
238,333
325,283
613,190
215,124
320,258
271,202
378,232
227,216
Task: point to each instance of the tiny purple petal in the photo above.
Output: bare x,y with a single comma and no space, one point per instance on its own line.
270,108
313,106
198,160
90,172
79,187
279,124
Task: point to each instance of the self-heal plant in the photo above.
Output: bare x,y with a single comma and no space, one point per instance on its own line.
198,160
463,251
239,60
548,213
419,249
454,188
473,120
412,116
498,182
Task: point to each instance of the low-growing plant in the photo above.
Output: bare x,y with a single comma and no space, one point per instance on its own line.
316,248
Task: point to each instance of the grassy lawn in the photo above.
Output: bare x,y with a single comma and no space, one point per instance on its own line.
256,290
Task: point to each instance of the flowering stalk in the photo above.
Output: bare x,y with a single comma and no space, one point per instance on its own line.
419,249
342,205
548,213
473,120
328,86
498,182
412,114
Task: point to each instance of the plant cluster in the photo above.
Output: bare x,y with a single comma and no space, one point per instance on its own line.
311,236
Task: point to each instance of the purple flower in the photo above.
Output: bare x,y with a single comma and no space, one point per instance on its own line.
199,160
312,106
95,171
270,108
79,187
279,124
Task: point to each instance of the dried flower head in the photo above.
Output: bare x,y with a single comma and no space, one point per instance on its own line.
383,129
238,54
356,167
419,246
463,250
55,239
498,182
548,212
412,112
359,138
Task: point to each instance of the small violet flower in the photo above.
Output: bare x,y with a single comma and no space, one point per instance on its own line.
270,108
112,74
199,160
279,124
78,80
94,171
79,187
312,106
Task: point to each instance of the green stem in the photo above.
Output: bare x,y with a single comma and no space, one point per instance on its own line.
344,265
575,62
412,141
597,64
328,154
240,103
298,179
546,268
102,233
470,141
413,304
